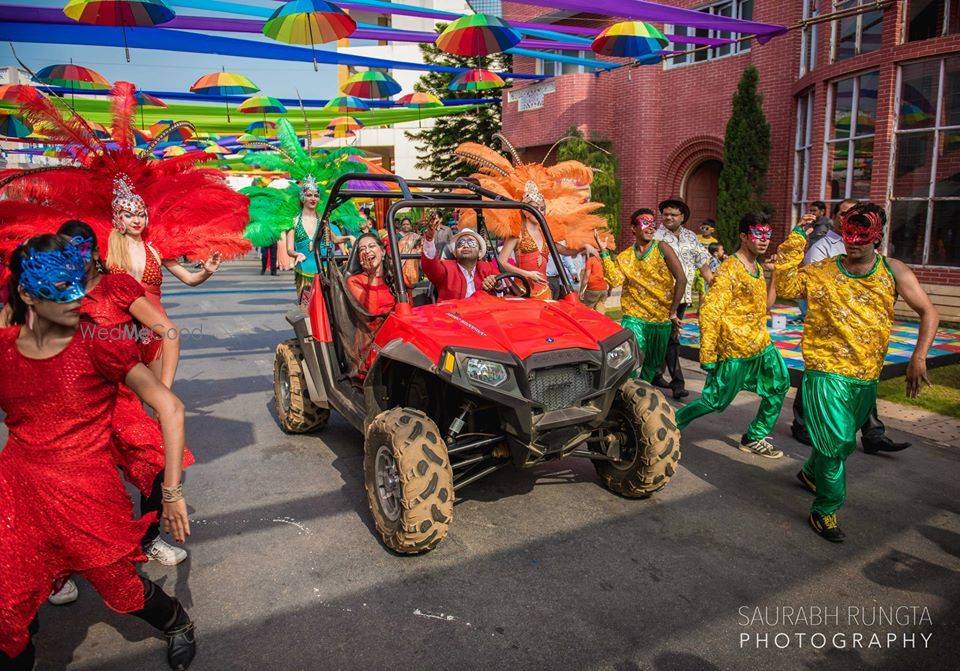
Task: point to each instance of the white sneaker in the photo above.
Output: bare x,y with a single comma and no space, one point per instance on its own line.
67,594
161,551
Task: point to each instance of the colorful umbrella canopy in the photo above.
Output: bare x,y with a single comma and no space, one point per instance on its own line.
346,104
175,150
371,84
247,138
262,128
339,132
10,92
477,35
262,105
309,22
99,130
216,149
631,39
144,99
14,126
179,135
476,80
347,122
123,13
140,137
73,77
419,100
224,84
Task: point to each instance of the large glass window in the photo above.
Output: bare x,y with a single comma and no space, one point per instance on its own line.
803,144
932,18
926,165
736,9
808,38
851,125
857,34
555,68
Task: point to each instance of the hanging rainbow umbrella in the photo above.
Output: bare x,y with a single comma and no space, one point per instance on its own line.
99,130
144,99
309,22
476,80
216,149
631,39
477,35
123,13
179,135
339,132
346,105
10,92
262,105
420,101
371,84
73,77
262,128
175,150
14,126
224,84
345,122
140,137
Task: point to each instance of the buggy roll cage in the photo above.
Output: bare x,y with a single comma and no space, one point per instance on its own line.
430,196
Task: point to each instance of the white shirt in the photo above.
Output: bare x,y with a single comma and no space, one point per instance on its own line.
826,247
430,251
687,247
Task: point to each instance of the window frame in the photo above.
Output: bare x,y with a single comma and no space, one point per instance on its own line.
858,35
945,20
809,37
736,48
802,146
541,65
938,129
851,139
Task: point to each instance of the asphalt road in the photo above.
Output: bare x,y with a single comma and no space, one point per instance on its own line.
542,569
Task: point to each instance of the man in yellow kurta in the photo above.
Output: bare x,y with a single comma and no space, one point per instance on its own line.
735,348
653,284
845,340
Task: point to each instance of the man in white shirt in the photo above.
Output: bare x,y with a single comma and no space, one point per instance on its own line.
674,213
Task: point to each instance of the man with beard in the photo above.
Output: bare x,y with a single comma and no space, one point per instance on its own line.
693,256
464,276
845,340
735,348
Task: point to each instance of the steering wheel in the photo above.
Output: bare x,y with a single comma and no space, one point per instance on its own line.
513,282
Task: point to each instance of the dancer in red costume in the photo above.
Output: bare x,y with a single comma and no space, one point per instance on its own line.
58,392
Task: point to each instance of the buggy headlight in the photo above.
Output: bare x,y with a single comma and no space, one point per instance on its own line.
620,354
487,372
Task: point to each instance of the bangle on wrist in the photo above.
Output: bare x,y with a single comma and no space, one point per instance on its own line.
172,494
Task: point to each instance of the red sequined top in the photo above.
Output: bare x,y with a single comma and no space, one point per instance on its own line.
109,302
63,507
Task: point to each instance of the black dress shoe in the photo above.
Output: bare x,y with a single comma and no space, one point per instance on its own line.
680,393
801,435
181,646
882,444
658,381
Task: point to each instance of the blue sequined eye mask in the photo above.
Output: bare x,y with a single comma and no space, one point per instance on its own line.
57,275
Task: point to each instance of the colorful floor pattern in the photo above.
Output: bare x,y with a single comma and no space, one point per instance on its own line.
787,340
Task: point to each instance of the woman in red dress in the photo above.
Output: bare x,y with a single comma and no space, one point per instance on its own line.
118,306
58,392
129,252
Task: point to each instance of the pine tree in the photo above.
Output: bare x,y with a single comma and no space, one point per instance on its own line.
746,155
605,187
435,145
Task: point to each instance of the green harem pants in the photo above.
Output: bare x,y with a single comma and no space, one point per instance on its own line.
765,374
835,408
652,338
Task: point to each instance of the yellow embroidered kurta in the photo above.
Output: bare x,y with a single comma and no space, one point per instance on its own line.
849,317
733,317
647,283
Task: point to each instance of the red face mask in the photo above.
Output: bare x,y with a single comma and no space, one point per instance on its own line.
761,233
645,223
862,228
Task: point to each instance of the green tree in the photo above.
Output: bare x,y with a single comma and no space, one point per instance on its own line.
435,145
606,187
746,156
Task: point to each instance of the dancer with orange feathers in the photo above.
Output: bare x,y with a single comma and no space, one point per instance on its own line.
557,191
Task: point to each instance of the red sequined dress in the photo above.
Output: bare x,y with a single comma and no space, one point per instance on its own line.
152,344
63,506
136,436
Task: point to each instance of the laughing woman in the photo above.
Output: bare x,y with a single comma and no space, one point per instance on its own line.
58,391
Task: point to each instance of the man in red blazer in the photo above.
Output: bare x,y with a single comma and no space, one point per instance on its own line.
463,277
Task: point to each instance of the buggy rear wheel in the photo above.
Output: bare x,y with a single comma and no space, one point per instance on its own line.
649,442
296,412
408,479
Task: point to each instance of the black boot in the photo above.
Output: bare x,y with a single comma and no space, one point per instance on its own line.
167,614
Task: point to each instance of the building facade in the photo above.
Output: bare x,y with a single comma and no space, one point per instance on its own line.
864,107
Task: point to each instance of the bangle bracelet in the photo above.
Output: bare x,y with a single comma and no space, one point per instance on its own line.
172,494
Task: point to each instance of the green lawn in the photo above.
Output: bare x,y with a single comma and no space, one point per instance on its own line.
943,397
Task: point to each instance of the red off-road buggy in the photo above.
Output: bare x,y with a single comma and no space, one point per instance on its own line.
448,392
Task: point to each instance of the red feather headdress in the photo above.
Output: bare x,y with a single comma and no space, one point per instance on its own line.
192,211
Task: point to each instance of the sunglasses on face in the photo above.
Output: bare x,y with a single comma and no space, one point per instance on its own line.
467,242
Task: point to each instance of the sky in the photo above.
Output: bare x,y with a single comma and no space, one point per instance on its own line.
161,70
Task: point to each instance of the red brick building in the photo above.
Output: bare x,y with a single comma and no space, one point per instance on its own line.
866,107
